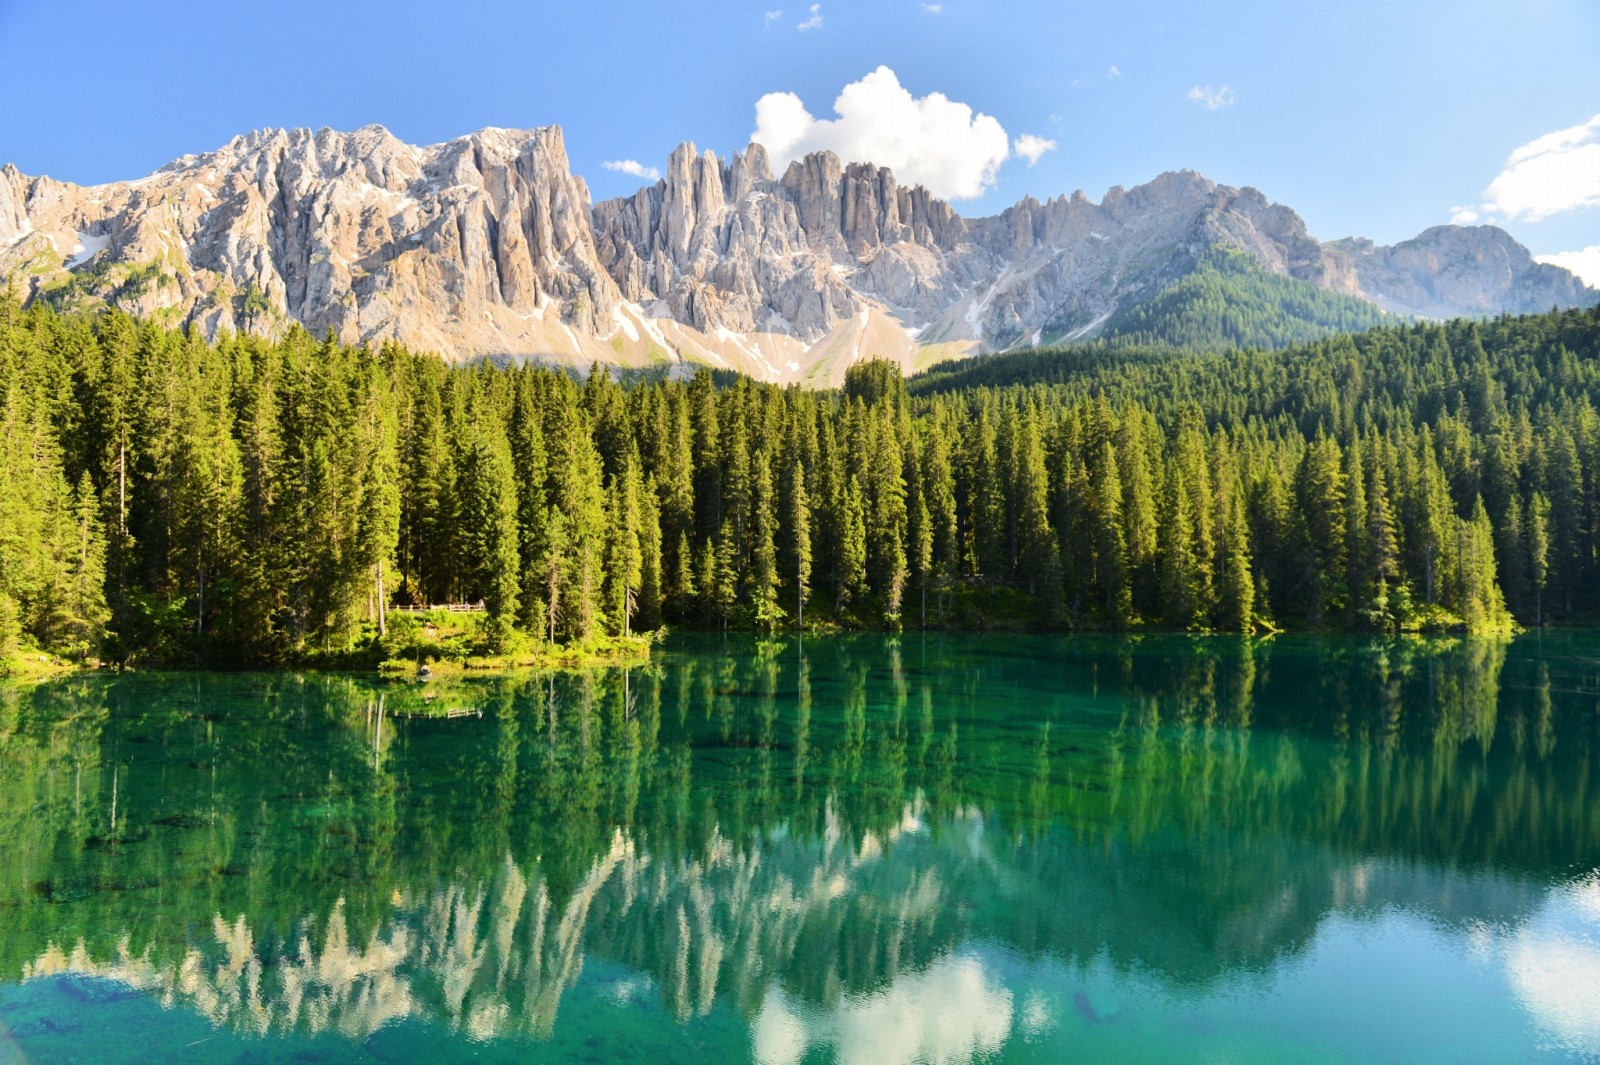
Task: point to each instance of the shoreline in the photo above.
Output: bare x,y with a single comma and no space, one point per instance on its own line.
618,652
35,666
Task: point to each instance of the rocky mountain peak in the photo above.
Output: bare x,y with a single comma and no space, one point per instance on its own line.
452,246
1446,269
488,244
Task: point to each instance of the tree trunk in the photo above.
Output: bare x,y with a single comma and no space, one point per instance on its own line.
383,610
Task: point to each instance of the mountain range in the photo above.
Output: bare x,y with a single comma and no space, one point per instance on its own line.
489,245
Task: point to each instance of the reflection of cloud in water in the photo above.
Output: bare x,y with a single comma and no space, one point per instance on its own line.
948,1014
1554,965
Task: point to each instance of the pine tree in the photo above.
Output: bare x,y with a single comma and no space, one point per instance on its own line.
922,551
684,589
706,578
800,528
1189,454
430,507
852,576
1038,553
10,627
624,570
75,623
1111,563
1361,578
490,540
1481,603
650,558
885,532
1538,551
1180,578
378,532
553,568
1236,591
724,582
939,495
764,570
1320,499
1383,545
530,471
577,492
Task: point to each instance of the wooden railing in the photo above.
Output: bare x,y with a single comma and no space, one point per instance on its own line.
453,608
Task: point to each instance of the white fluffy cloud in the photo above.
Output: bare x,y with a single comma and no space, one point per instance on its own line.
1113,73
815,21
1551,174
1210,98
1585,263
954,1012
1554,964
634,167
771,16
933,9
929,140
1032,148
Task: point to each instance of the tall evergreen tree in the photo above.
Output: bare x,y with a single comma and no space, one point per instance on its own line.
800,527
765,610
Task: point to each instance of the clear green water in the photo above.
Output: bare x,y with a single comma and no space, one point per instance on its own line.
863,850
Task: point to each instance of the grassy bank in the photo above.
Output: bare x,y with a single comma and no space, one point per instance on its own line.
33,665
450,643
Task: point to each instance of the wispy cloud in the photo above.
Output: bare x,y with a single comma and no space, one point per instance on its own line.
1210,98
814,22
1032,148
1549,175
1585,263
633,167
927,140
771,16
1113,73
933,9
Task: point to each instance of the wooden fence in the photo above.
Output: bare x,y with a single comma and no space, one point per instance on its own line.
452,608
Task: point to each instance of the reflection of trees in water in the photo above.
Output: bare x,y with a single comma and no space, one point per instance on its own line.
820,820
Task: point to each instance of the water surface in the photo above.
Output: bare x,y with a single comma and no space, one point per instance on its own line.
864,850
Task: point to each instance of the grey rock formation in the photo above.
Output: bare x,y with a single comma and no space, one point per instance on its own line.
460,247
1452,270
489,245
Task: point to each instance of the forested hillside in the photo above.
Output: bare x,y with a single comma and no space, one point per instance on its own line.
1230,301
166,499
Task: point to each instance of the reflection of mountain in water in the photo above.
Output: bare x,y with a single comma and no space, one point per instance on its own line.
816,845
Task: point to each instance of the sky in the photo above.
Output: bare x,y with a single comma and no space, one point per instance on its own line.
1374,118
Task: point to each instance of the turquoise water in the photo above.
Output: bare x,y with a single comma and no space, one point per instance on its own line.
863,850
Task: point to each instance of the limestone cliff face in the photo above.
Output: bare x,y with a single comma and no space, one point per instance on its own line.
481,245
724,246
489,245
14,223
1448,271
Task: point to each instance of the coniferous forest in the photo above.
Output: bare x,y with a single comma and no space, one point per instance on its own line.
166,499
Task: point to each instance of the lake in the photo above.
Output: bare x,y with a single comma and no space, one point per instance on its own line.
860,849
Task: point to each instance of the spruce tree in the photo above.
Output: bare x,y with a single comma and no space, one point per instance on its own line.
852,575
800,529
491,543
1538,551
764,570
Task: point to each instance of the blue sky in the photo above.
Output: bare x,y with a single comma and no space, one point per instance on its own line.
1369,118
